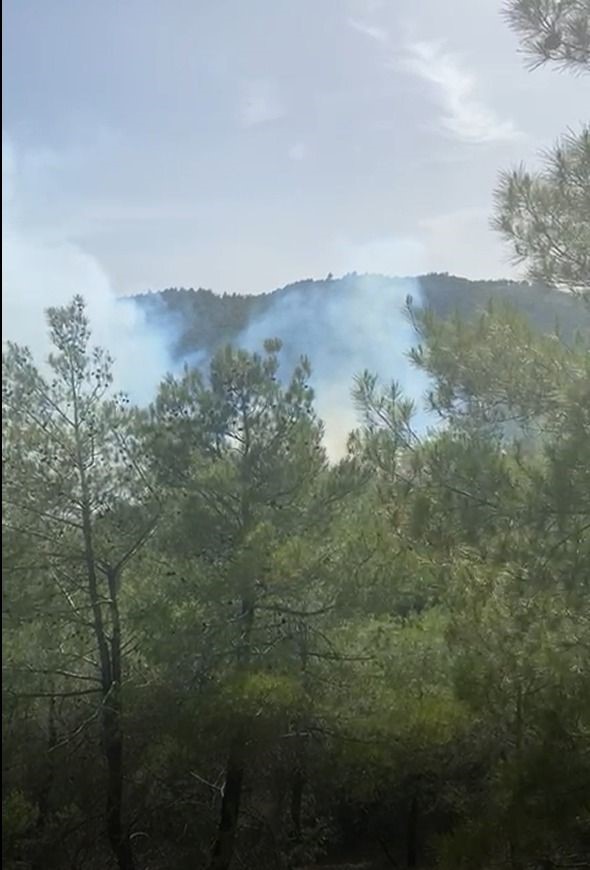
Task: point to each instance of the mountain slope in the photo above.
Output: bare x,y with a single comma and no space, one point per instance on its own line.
200,320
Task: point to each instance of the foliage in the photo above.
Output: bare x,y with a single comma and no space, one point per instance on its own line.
310,650
220,649
555,31
546,215
204,322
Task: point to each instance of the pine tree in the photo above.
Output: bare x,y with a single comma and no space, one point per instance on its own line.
79,506
553,31
545,215
252,493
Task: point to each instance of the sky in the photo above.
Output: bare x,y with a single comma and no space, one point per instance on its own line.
240,146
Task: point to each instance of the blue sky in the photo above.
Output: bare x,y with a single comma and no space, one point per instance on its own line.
242,145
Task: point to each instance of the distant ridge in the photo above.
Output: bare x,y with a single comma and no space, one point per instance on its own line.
204,320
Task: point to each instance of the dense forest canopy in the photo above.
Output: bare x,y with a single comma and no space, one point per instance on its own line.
390,650
202,321
222,647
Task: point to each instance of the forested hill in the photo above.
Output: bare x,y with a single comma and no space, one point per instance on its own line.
203,320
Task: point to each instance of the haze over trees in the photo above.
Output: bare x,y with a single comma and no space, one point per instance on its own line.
222,648
200,322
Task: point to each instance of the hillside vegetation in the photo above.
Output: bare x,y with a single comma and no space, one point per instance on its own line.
201,320
223,649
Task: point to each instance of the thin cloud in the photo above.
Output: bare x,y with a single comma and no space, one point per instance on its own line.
377,34
365,8
42,267
260,102
461,242
385,255
298,151
465,116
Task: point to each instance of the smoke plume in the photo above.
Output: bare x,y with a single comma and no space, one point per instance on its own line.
345,326
41,269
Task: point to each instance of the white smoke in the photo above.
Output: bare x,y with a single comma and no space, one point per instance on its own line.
345,326
42,268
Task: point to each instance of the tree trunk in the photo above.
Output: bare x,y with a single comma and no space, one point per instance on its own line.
110,667
39,862
297,787
110,672
412,834
278,792
113,740
299,774
225,841
113,748
516,862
